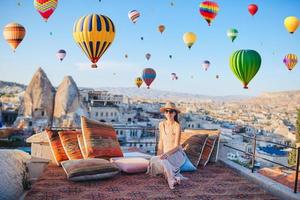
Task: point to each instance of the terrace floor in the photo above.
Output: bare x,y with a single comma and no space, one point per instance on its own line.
215,181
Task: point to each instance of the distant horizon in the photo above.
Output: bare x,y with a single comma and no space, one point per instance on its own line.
264,32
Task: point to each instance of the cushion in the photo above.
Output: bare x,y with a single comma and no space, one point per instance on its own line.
70,144
89,169
208,149
193,145
56,146
137,154
131,165
81,145
187,166
100,139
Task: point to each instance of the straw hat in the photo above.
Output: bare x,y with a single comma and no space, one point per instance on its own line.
169,106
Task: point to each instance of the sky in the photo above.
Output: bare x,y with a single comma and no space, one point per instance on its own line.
263,32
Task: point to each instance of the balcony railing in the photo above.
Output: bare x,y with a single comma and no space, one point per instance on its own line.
254,156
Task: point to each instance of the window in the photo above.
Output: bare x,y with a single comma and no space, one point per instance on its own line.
96,114
121,132
43,113
111,114
115,114
106,114
101,114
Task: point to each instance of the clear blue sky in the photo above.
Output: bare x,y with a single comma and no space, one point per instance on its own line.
263,32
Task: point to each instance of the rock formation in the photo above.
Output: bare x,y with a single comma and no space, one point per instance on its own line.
68,107
38,100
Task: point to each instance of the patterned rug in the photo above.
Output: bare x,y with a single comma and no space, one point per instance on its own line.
214,182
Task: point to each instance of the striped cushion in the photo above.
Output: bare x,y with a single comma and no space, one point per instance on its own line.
81,145
56,146
100,139
89,169
193,145
70,144
208,149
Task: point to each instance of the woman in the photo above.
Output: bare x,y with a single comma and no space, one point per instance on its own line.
170,154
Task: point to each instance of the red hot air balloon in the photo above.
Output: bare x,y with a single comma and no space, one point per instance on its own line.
148,76
252,8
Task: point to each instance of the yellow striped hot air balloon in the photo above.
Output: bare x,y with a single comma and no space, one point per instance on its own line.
94,34
290,60
138,82
14,33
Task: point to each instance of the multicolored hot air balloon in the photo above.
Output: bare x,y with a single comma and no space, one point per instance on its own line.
45,7
205,64
291,24
252,8
133,15
148,56
245,64
290,61
174,76
148,76
161,28
189,39
138,81
232,34
61,54
209,10
14,33
94,34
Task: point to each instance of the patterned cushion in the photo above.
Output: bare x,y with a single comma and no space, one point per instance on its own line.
208,149
193,145
81,145
56,146
131,165
70,144
100,139
89,169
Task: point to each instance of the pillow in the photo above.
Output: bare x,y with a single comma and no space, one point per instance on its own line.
81,145
100,139
193,144
89,169
208,149
131,165
57,149
187,166
70,144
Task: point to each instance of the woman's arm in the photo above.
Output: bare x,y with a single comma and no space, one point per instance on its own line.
160,142
165,155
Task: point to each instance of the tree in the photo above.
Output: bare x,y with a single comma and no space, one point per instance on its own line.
293,154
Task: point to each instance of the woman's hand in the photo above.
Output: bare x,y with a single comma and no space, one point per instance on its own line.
164,156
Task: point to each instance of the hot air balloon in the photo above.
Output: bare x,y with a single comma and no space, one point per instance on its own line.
133,15
290,61
209,10
245,64
148,56
172,4
61,54
148,76
138,82
291,24
45,7
142,38
174,76
189,39
252,8
217,76
14,33
126,56
232,34
170,56
161,28
205,64
94,34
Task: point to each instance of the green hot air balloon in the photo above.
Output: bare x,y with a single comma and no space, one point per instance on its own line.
232,34
245,64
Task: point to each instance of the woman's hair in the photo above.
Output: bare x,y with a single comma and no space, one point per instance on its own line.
176,117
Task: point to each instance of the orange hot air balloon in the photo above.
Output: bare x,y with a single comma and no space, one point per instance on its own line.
14,33
161,28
